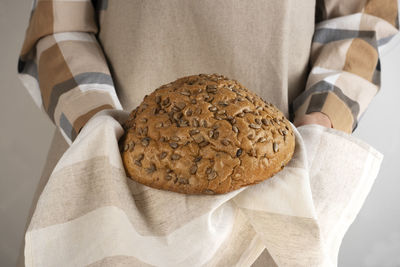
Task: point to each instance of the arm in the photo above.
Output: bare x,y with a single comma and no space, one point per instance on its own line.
345,60
62,65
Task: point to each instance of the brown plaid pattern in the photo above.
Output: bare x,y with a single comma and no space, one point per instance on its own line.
345,73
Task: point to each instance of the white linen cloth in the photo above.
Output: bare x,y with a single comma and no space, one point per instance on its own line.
91,213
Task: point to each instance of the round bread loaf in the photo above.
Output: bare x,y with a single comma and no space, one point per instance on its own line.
205,134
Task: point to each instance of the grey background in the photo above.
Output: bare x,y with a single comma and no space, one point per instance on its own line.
372,240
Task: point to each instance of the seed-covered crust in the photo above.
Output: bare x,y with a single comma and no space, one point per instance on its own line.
205,134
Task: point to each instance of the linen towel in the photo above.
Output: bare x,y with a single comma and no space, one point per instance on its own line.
91,213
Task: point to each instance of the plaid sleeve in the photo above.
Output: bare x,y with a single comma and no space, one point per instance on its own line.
62,65
345,65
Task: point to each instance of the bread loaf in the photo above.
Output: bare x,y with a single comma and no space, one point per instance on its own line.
205,134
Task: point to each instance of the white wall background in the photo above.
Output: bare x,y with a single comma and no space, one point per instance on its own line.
25,135
374,237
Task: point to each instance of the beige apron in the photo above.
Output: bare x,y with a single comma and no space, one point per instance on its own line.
265,45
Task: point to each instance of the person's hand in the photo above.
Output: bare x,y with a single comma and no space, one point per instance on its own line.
313,118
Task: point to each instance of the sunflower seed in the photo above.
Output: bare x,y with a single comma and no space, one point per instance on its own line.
198,138
152,168
210,133
212,175
275,147
180,105
195,122
277,121
173,145
140,157
193,169
189,112
215,135
162,139
220,112
143,120
258,121
168,170
132,147
183,123
175,138
223,103
138,163
194,131
193,101
186,93
235,129
225,142
163,155
168,177
240,115
159,125
165,101
254,126
183,181
212,108
204,123
239,152
175,156
156,110
211,88
198,158
126,147
265,122
158,99
177,116
204,143
261,140
145,141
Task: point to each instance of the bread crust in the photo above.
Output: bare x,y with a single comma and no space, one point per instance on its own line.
205,134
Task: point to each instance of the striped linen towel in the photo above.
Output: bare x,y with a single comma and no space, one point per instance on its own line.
90,213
